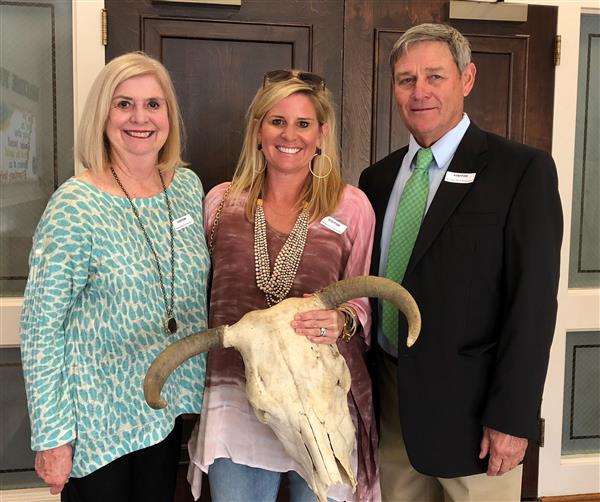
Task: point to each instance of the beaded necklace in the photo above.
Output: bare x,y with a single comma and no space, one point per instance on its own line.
277,284
170,323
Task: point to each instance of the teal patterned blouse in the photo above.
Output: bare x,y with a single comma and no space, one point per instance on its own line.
94,317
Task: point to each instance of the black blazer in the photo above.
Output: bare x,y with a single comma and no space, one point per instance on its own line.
484,272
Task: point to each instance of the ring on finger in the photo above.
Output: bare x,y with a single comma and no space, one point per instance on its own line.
322,331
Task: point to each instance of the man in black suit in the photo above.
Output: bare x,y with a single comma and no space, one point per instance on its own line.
457,408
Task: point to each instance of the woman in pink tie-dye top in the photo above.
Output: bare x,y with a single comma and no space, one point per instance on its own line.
286,202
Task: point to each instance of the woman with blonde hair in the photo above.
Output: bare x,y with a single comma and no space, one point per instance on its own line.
118,271
285,226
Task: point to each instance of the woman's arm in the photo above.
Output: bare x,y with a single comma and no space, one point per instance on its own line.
58,273
362,230
325,326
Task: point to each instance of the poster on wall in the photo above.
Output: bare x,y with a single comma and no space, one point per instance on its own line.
18,152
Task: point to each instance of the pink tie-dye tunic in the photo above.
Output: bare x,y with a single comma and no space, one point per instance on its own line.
227,426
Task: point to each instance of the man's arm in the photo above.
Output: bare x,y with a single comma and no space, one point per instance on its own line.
533,237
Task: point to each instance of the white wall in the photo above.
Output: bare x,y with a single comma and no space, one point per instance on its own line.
88,52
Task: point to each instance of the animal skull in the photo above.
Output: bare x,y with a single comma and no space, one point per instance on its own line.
296,387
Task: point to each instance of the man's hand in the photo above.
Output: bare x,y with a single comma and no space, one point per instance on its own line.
54,466
506,451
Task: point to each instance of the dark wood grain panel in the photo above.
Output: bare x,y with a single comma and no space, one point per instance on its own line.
538,33
363,20
207,60
501,63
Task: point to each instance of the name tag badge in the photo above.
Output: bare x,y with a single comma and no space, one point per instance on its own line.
181,223
332,224
459,177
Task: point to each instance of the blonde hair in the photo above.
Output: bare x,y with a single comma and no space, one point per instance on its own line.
321,193
93,148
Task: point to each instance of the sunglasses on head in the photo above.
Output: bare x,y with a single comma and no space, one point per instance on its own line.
315,81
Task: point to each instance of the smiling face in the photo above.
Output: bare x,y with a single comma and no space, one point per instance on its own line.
290,134
138,121
430,90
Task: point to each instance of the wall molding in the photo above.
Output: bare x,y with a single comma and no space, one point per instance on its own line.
587,497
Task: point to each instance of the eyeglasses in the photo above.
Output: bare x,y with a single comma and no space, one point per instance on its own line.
315,81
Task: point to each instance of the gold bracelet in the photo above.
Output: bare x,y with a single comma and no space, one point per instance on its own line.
350,322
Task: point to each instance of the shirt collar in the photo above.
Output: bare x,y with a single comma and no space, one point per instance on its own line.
444,148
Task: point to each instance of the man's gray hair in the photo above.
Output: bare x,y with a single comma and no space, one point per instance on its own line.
428,32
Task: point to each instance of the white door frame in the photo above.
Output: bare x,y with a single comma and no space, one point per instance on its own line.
578,309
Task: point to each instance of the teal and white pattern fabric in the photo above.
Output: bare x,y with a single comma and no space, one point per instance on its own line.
93,319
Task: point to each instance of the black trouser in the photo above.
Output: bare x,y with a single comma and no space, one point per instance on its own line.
146,475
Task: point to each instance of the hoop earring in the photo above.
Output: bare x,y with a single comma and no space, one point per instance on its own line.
321,176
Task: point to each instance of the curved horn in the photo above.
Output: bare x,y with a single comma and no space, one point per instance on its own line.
174,355
375,287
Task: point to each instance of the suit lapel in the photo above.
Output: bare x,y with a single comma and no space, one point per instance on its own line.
468,158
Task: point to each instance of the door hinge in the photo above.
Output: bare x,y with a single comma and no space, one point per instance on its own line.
104,27
542,434
557,49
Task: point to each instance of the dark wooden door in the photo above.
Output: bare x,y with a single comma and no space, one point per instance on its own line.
218,54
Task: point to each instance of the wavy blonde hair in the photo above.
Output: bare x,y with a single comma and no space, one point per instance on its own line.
320,194
93,148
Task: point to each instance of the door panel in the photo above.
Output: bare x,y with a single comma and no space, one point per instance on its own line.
369,28
533,98
501,65
206,60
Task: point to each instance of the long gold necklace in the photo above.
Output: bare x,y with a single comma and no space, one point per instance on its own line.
170,323
277,284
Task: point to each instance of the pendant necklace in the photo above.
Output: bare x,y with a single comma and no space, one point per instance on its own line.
170,323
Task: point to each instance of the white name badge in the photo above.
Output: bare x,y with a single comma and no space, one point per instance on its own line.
181,223
459,177
332,224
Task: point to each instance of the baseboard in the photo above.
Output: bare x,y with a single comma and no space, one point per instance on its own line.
28,495
586,497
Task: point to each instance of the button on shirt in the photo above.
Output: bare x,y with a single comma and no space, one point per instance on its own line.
443,152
